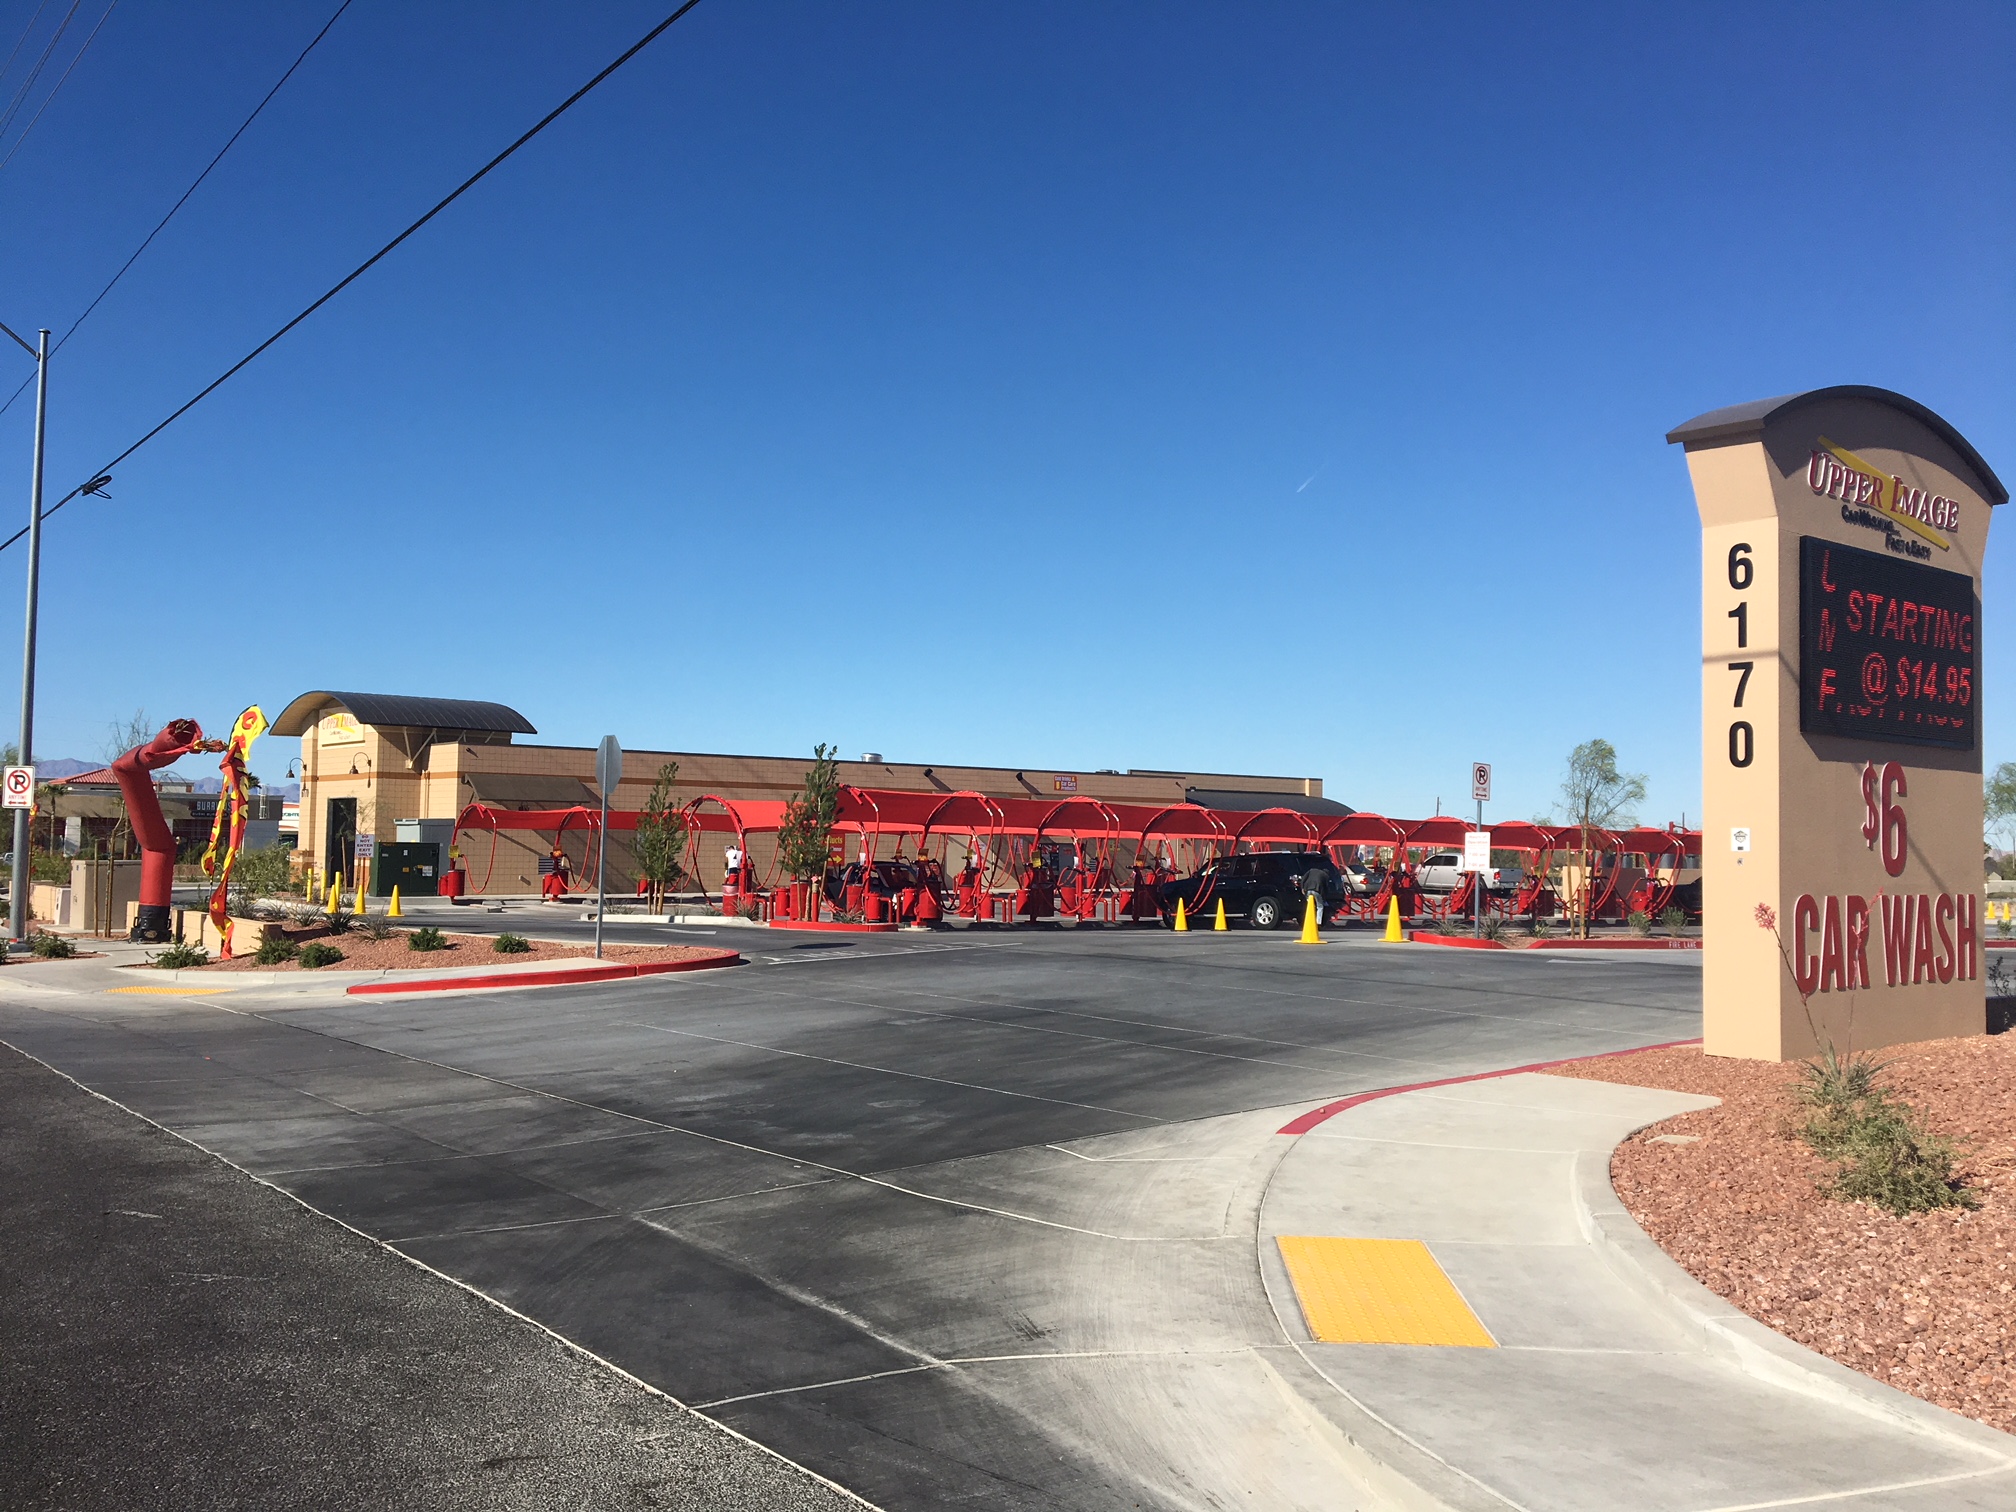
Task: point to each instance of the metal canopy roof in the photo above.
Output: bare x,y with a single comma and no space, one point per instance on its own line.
1741,420
399,711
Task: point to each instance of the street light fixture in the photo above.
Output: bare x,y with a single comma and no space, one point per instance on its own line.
17,900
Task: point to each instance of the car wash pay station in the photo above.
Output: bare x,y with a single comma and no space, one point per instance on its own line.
1842,535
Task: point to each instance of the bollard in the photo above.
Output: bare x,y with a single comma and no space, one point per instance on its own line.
393,912
1218,925
1309,926
1394,934
1182,918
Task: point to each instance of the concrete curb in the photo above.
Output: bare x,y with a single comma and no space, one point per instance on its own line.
607,971
1460,942
1470,942
1759,1351
831,926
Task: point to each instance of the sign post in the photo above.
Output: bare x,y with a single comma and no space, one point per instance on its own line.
608,772
1842,535
1477,860
1480,789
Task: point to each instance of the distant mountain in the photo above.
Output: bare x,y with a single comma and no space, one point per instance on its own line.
50,771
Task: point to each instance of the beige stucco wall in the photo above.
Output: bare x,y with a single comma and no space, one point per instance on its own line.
1801,796
437,781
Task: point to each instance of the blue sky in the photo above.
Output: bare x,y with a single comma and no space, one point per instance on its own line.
1273,388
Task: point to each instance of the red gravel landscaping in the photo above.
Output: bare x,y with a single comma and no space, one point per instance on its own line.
361,953
1926,1303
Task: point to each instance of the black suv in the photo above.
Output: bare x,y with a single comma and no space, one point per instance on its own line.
1266,888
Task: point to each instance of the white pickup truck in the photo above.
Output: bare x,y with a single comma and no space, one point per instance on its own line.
1443,872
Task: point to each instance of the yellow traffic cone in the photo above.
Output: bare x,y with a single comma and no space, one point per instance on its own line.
393,912
335,903
1182,918
1394,934
1309,935
362,894
1219,923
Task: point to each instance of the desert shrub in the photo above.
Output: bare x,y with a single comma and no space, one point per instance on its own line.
375,927
1493,926
274,949
1883,1154
510,944
1640,922
428,938
49,947
2001,977
179,958
267,873
316,953
1542,928
1673,920
43,867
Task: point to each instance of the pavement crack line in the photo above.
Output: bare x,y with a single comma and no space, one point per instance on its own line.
1166,1028
405,1259
1837,1496
1144,1159
1005,1026
943,1081
954,1363
726,1143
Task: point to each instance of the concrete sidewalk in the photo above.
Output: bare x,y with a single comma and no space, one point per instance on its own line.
1616,1380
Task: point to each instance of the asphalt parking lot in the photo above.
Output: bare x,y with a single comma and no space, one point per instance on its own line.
935,1216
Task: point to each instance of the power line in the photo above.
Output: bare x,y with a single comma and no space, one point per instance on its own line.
102,476
21,94
74,61
196,184
26,32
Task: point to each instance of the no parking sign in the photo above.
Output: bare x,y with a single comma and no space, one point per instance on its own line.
18,786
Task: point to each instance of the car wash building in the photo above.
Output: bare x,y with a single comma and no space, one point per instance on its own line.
395,771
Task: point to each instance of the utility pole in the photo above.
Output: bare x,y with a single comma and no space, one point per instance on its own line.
17,901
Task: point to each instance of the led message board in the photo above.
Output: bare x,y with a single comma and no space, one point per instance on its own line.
1887,648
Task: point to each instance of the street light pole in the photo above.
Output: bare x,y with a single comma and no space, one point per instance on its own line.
17,900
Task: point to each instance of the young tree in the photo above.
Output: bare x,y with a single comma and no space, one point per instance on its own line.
121,735
662,831
1597,796
1998,805
807,829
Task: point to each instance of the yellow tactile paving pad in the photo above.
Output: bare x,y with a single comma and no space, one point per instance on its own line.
1378,1291
173,991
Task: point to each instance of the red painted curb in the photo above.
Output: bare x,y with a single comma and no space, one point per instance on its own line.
1464,942
834,926
609,971
1615,945
1316,1116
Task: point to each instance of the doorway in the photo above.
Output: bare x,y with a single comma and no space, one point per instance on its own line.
339,843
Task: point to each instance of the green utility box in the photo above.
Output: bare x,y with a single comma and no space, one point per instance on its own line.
412,866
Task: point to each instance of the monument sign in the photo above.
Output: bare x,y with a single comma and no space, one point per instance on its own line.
1842,534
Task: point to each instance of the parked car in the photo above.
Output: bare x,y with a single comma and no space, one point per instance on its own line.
1361,879
1443,872
1266,888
